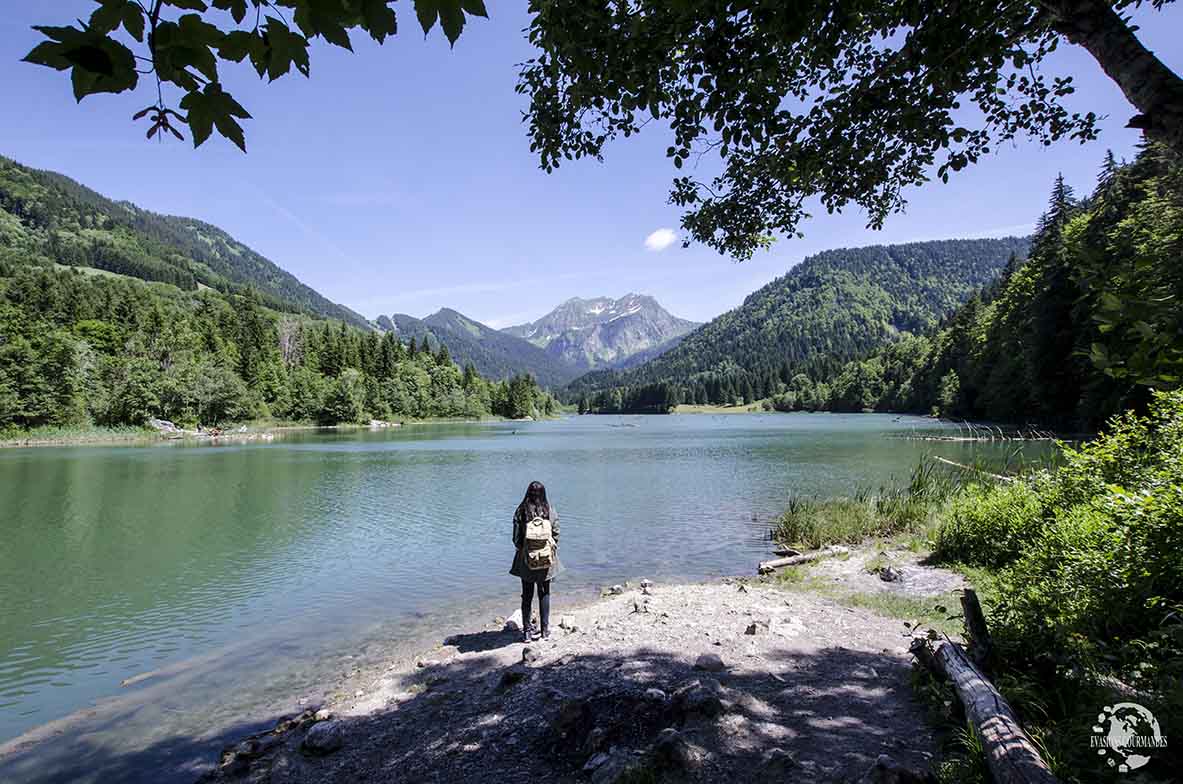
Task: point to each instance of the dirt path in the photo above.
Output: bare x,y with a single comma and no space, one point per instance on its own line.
730,680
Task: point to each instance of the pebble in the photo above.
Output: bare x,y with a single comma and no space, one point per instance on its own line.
324,714
756,627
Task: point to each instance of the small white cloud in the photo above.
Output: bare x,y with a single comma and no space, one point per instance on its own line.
660,240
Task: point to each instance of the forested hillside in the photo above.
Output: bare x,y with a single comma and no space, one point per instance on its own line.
831,308
1080,332
78,349
47,218
493,353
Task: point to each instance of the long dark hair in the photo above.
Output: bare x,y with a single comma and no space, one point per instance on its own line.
535,503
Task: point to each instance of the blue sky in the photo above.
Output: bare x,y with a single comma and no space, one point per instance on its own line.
399,178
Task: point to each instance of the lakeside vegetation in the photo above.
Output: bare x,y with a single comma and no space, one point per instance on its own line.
1080,567
82,350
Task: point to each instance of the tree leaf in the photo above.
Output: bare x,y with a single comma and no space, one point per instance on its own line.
99,63
213,107
475,7
237,8
428,12
284,48
188,5
379,19
451,19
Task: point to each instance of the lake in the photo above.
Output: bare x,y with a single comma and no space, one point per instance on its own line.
234,578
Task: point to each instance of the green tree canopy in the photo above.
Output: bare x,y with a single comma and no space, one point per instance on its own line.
849,102
186,43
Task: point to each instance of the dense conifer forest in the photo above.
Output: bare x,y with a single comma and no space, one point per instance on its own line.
1079,332
831,308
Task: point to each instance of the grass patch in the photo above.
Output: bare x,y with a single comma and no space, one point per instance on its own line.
929,613
81,434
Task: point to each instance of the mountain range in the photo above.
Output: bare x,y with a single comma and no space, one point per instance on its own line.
577,336
833,307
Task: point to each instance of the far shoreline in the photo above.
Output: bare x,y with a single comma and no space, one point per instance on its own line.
256,432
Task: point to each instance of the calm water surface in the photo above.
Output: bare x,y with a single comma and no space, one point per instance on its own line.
241,572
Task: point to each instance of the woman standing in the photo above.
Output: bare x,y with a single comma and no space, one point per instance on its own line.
536,557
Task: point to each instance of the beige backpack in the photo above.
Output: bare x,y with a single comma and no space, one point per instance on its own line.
538,544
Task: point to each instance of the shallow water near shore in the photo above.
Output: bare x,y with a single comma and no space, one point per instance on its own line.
239,577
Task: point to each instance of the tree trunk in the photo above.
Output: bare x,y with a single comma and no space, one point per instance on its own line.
981,648
1010,754
767,567
1153,88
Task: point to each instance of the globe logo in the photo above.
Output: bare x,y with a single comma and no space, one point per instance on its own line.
1123,734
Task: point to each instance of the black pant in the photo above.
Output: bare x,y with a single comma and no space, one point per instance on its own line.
543,602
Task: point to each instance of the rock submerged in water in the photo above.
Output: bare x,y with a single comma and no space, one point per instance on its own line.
324,737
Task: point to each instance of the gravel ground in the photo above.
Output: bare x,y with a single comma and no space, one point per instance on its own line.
729,680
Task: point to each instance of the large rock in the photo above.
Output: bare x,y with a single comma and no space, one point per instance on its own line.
672,750
710,662
324,737
514,622
699,697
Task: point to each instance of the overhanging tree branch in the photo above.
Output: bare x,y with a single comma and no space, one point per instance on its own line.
1153,88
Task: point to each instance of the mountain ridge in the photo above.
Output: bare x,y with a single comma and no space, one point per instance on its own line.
832,307
54,218
603,332
493,353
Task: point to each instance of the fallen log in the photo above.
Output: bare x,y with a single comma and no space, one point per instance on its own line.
1010,754
767,567
964,467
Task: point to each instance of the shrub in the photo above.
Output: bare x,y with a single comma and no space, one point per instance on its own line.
988,525
1093,553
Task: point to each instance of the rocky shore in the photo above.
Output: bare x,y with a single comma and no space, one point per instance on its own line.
736,680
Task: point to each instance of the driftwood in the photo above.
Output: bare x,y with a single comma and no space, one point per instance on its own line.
962,466
767,567
1010,754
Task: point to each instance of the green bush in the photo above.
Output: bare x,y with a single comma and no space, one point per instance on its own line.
1093,553
988,525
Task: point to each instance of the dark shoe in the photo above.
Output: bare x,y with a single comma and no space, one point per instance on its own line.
545,633
528,634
